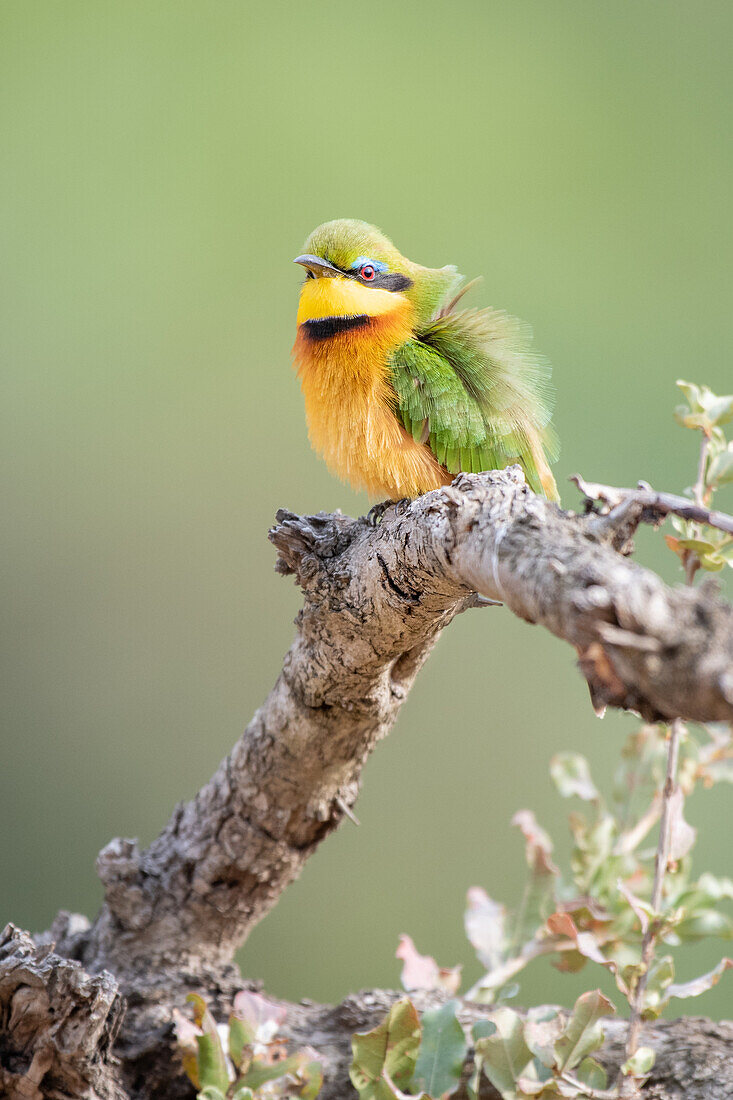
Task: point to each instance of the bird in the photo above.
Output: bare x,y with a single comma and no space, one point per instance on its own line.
403,389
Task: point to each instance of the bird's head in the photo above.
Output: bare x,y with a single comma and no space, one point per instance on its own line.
354,271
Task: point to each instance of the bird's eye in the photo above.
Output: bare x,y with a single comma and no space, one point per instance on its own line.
367,272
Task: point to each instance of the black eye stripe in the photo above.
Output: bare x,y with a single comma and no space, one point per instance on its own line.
393,280
389,280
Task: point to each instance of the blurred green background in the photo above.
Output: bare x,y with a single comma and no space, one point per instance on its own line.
161,165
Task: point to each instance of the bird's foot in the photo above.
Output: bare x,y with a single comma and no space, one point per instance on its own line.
376,514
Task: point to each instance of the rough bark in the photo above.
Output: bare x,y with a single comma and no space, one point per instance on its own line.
58,1025
376,596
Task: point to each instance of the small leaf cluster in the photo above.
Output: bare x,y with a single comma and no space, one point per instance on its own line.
406,1056
708,413
545,1054
244,1059
705,411
598,910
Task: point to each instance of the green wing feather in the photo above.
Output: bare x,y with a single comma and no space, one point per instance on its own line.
470,387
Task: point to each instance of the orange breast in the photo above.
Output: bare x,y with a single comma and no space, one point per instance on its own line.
349,406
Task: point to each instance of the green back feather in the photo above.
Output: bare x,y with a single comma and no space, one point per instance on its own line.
470,384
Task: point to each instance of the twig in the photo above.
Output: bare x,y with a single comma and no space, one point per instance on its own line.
663,503
627,1086
655,505
345,808
691,560
699,489
649,941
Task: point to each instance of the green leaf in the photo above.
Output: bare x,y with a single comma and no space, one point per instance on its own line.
720,410
700,985
591,1074
260,1072
656,994
691,420
571,775
504,1056
691,392
240,1037
640,1063
480,1030
712,563
583,1032
701,895
211,1092
594,865
312,1075
720,470
715,887
212,1063
542,1029
704,922
202,1016
392,1046
530,1086
243,1093
442,1051
186,1035
700,546
706,409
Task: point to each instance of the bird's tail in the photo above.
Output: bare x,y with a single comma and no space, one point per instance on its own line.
542,468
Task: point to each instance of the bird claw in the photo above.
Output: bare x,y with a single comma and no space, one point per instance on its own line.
376,514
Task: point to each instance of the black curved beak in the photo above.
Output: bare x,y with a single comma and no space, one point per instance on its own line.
319,267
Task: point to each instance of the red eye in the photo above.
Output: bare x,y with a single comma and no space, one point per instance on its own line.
367,272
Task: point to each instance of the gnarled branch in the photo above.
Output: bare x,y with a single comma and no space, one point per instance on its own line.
376,597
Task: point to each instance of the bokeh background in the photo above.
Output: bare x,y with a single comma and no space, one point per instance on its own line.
161,165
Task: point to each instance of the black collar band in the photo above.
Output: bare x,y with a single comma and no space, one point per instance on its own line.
321,328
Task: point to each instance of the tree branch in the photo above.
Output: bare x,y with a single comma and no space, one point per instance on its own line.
656,506
375,600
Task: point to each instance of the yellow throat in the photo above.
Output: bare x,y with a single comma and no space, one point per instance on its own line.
346,334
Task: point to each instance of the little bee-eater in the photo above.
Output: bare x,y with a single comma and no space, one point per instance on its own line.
403,390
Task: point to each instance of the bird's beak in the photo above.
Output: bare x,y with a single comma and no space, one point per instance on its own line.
318,266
